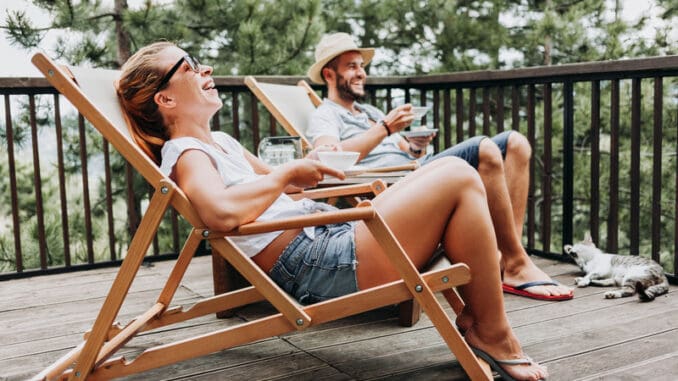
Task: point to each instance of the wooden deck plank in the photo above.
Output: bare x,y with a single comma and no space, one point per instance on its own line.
325,373
76,316
53,293
446,371
384,356
614,357
601,319
587,338
288,365
643,370
262,358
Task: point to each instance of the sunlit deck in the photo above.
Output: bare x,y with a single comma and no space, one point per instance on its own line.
41,318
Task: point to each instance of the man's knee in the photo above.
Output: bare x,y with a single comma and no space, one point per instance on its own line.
489,156
518,147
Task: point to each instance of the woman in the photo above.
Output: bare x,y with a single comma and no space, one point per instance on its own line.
169,99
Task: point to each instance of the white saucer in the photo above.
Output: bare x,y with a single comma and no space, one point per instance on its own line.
418,133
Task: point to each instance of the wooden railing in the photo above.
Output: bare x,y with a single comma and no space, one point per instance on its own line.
604,138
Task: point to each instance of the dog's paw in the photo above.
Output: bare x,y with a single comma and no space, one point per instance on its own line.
613,294
581,282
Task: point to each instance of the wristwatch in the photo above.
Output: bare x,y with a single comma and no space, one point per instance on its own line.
415,151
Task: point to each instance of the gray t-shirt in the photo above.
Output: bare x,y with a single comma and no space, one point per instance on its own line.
331,119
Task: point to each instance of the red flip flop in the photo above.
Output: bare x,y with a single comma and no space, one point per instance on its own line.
520,290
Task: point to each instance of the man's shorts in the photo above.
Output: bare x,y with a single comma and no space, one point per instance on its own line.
469,149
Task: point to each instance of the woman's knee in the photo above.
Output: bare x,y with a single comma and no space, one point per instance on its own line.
450,164
459,174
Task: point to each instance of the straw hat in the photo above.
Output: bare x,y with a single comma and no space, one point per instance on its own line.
330,46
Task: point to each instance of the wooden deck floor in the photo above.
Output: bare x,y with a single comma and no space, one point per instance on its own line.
589,337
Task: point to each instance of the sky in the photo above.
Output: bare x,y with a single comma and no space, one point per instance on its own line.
16,61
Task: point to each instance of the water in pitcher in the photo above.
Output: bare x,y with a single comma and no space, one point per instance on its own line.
278,150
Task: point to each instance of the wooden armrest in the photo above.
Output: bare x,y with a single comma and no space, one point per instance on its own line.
320,218
395,168
375,187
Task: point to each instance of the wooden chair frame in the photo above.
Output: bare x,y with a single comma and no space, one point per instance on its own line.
93,358
292,106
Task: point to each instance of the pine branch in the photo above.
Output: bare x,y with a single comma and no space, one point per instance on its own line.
61,25
302,43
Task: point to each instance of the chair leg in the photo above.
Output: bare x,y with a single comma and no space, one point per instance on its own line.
220,279
409,313
226,279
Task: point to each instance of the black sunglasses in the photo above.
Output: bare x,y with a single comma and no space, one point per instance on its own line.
192,62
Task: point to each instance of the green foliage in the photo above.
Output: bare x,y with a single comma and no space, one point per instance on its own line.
20,30
413,36
472,36
405,32
28,219
254,36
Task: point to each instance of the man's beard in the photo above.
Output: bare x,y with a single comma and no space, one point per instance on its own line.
345,91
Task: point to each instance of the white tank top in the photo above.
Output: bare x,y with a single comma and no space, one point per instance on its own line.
235,169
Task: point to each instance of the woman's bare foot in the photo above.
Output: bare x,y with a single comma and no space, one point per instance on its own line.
525,271
504,346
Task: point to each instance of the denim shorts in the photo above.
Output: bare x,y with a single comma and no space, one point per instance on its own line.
468,149
313,270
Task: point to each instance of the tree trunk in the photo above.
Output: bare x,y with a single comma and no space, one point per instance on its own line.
121,34
548,43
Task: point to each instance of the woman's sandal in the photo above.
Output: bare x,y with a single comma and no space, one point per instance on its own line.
496,364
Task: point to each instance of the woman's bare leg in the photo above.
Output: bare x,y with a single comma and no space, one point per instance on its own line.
445,202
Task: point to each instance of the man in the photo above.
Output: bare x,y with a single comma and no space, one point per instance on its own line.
502,162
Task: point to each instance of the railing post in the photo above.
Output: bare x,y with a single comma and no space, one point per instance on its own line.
594,216
634,229
37,185
11,163
568,161
87,209
613,202
657,169
547,177
531,137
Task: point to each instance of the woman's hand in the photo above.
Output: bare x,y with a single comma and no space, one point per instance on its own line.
306,173
313,154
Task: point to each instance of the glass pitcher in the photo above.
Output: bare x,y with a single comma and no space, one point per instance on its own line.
277,150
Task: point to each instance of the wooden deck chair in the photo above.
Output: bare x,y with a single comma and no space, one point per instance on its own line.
292,107
91,92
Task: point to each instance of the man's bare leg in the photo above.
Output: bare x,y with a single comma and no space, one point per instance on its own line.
507,184
517,174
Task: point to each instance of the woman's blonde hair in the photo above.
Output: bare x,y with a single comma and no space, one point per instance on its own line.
136,88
